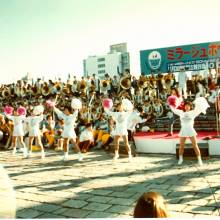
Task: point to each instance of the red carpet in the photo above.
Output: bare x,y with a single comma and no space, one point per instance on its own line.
162,135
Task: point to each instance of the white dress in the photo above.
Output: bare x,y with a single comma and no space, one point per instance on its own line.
121,119
187,121
18,124
34,124
69,123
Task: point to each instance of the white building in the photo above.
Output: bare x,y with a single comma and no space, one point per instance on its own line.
113,63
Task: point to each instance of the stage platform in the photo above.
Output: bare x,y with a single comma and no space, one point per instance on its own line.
157,142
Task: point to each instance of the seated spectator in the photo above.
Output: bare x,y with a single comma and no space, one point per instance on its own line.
6,128
48,130
148,109
157,108
151,205
58,135
101,131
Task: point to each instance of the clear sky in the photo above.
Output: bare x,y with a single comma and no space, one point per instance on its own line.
52,37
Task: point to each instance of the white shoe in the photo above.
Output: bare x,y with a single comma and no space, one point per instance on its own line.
200,163
80,157
14,151
65,157
116,157
130,158
25,153
42,155
180,161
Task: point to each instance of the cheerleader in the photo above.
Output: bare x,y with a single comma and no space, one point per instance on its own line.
121,119
33,122
18,131
68,133
187,117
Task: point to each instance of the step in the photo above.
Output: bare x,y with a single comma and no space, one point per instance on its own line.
122,148
189,151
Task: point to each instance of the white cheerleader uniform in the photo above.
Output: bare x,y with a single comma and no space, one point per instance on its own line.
187,121
121,119
34,124
18,124
69,123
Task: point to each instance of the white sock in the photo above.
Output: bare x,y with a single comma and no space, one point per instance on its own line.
180,159
65,156
80,156
42,154
199,160
25,152
116,155
14,150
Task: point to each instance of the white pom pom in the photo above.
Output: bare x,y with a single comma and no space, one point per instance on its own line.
128,106
76,103
201,104
38,110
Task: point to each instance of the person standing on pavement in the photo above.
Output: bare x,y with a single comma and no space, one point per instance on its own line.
182,80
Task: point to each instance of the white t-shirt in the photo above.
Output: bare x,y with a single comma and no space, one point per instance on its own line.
86,135
182,77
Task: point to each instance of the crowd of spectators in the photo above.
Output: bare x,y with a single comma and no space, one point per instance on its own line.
147,93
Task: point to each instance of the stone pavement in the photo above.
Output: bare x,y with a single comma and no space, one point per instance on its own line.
98,187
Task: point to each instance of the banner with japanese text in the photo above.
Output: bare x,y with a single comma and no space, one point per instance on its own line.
193,57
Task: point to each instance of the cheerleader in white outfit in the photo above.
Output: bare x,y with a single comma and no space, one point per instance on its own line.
35,133
187,130
18,131
121,119
68,130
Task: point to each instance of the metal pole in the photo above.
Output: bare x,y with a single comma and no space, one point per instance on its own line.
89,105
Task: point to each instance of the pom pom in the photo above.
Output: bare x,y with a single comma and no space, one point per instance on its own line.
76,103
107,103
128,106
173,101
38,110
50,103
201,104
8,110
21,110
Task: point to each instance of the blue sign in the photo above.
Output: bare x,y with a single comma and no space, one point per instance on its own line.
193,57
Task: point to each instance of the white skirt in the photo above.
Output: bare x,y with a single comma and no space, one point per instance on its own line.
118,131
69,133
18,131
34,132
190,132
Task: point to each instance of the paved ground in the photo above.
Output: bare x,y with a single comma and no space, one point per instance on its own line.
98,187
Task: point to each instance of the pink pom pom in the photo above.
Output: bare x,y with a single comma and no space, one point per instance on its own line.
50,104
21,110
8,110
173,101
107,103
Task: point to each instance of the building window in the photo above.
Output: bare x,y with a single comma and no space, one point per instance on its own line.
101,59
101,71
101,66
